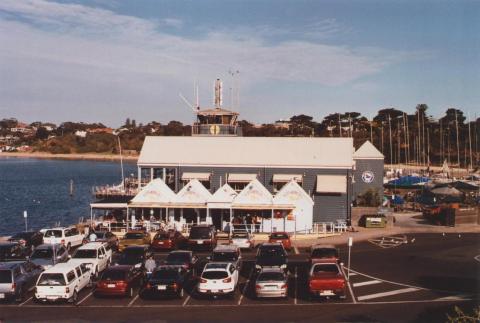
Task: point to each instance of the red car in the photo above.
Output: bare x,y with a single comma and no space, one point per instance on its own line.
282,237
168,240
119,280
324,254
327,279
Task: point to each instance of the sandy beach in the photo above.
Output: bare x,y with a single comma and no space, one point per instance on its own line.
43,155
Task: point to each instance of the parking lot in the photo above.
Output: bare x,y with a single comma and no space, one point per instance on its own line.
406,274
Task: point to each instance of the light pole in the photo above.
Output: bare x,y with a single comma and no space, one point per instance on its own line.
350,243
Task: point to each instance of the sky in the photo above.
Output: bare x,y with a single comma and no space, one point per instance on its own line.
107,60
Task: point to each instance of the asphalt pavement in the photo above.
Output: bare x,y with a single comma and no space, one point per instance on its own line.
392,278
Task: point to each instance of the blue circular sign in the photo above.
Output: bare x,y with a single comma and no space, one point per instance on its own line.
368,176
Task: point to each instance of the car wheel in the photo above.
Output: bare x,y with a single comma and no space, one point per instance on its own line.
19,297
130,292
74,297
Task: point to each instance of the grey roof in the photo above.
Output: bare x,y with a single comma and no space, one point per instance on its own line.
368,151
247,151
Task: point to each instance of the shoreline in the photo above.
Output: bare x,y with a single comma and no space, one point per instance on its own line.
88,156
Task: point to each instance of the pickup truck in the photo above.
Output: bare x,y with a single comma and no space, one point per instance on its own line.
94,255
69,237
327,279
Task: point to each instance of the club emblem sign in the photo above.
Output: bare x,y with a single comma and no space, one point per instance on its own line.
368,176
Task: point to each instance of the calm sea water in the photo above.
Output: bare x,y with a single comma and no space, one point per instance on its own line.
42,188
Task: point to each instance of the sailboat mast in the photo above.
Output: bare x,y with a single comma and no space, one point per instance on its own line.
405,151
458,141
390,136
121,161
470,140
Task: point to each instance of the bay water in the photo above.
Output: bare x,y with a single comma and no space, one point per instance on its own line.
42,188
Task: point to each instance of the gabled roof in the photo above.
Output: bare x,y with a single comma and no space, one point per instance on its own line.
194,193
225,194
367,151
253,195
300,152
156,193
290,194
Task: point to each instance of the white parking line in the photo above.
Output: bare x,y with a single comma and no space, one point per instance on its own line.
83,299
477,258
186,301
369,282
296,286
296,250
28,300
246,286
391,293
133,300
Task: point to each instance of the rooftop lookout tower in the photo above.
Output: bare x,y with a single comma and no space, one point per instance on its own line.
216,121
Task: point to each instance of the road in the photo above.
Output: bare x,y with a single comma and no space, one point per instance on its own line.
407,278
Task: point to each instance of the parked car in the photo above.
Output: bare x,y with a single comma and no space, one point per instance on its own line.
271,282
327,279
134,238
244,240
168,240
271,255
29,239
69,237
17,278
119,281
185,258
227,254
281,237
47,255
134,256
62,282
202,236
11,251
167,281
323,254
218,279
94,255
107,237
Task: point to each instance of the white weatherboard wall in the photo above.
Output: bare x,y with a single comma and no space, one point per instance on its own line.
293,194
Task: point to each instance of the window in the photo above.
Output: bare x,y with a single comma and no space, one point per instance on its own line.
70,276
79,272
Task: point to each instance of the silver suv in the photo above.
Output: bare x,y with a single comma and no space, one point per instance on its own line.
17,278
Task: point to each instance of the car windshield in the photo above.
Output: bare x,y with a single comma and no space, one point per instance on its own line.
130,259
133,235
51,280
42,254
85,253
162,235
100,235
55,233
270,277
178,257
114,275
5,276
6,252
324,253
279,236
170,273
271,252
214,274
325,268
224,256
240,236
200,233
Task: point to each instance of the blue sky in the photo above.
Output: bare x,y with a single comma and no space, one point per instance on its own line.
106,60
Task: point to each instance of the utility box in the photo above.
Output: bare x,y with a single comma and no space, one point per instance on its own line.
373,221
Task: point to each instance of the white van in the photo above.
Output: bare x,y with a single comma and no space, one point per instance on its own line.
69,237
62,282
94,255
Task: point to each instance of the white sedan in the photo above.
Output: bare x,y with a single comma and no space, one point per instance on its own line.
218,279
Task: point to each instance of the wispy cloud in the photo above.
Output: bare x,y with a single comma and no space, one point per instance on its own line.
72,47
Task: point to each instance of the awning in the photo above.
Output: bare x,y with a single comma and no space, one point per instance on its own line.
331,184
108,205
200,176
285,178
241,178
